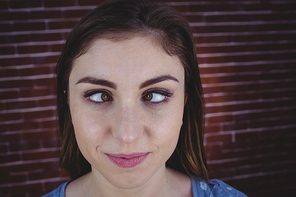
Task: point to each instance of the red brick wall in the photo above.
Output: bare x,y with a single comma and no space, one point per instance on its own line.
247,56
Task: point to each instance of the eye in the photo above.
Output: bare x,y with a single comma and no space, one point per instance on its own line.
156,96
98,97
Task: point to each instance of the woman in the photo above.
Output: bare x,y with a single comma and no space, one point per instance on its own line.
130,106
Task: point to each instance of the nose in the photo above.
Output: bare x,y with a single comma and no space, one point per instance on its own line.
128,125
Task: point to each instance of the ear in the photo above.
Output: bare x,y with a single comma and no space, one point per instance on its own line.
185,99
65,92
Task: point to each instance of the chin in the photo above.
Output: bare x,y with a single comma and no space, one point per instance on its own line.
130,179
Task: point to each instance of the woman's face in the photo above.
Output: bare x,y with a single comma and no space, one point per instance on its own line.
126,100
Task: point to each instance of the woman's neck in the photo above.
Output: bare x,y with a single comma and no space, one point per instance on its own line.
154,186
165,182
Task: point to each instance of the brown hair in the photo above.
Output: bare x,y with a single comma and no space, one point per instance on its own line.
119,20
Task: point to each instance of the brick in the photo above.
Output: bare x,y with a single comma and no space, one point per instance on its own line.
50,143
207,70
10,138
3,149
3,5
247,47
7,50
15,61
20,105
291,74
5,27
9,73
212,151
209,90
43,175
32,49
282,94
214,39
9,158
38,114
40,155
62,25
3,127
49,82
219,119
49,124
278,113
219,138
57,47
5,16
10,116
34,92
90,2
46,37
253,7
246,58
252,17
244,28
13,179
16,84
57,3
34,71
28,26
46,14
51,164
22,146
194,18
34,136
25,4
75,13
14,38
274,123
24,126
9,95
45,59
248,116
47,102
23,189
2,106
219,99
205,7
236,126
247,136
279,133
217,79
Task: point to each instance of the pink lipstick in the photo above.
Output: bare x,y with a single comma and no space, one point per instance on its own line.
128,160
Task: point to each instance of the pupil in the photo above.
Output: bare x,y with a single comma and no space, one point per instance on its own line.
105,97
148,96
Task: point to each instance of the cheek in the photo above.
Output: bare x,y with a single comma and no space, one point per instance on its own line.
89,128
166,127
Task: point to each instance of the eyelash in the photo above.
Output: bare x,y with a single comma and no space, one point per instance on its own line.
162,92
88,94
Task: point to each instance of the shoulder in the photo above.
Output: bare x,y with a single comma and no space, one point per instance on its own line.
215,188
58,192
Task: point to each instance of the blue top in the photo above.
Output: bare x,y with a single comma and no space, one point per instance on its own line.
200,187
215,188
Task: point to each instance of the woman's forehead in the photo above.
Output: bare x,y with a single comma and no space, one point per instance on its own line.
133,57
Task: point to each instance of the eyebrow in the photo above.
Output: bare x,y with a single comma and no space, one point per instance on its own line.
157,80
110,84
96,81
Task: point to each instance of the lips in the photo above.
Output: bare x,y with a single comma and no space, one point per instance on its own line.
128,160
